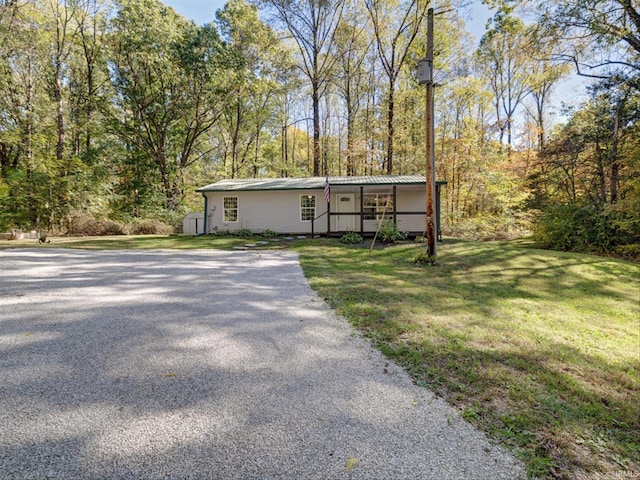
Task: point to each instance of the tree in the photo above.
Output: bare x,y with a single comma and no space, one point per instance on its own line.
395,27
260,60
351,48
312,24
589,195
545,71
89,74
608,30
600,38
170,87
505,61
26,168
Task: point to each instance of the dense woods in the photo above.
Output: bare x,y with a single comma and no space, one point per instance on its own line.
113,111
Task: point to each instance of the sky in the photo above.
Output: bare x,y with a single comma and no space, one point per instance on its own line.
200,11
203,11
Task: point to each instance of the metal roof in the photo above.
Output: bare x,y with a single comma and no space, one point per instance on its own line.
257,184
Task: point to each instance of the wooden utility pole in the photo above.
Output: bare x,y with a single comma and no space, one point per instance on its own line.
425,76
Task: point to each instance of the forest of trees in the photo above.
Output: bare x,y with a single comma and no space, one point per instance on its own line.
114,111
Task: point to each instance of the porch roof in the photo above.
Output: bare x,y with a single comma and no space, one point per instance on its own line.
309,183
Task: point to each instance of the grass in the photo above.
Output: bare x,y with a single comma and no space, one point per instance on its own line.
135,242
539,349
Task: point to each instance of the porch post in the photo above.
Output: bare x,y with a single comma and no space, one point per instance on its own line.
395,208
438,228
361,210
328,216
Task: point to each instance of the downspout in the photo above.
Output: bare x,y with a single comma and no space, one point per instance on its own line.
206,208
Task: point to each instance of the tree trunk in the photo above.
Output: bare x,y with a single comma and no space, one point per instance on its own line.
390,129
351,168
615,167
316,130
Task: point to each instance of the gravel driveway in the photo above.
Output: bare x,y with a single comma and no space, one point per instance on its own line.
206,364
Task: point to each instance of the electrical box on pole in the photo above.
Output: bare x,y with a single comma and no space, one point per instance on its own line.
424,72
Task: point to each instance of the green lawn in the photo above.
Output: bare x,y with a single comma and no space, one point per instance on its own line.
540,349
133,242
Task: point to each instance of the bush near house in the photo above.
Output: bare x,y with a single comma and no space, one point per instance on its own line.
390,233
351,238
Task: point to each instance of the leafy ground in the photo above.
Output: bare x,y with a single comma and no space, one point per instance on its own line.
540,349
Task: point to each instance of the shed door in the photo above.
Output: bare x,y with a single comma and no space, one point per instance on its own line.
346,203
193,226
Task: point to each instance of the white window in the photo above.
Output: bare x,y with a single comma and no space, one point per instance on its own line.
307,208
230,209
375,204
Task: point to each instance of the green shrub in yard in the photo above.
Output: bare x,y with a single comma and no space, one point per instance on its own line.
268,233
424,259
150,227
587,228
351,238
243,232
389,232
631,252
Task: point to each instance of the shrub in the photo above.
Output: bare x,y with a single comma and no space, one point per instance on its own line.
243,232
389,232
630,252
491,227
351,238
268,233
109,227
85,224
586,228
424,259
150,227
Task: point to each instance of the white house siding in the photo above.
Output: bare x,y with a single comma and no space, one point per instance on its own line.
413,200
277,210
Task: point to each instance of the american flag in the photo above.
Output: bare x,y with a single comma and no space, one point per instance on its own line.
327,190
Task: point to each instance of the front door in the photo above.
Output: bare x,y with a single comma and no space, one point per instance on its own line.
346,203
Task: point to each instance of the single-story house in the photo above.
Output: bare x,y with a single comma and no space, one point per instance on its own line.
307,206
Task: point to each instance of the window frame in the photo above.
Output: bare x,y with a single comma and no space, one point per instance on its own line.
226,210
307,208
374,211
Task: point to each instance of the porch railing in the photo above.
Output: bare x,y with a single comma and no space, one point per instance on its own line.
313,223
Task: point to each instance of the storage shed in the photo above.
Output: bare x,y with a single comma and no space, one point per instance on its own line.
193,223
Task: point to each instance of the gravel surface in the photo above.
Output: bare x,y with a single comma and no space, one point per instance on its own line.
206,364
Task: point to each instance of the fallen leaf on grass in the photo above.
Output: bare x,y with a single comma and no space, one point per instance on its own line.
351,462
